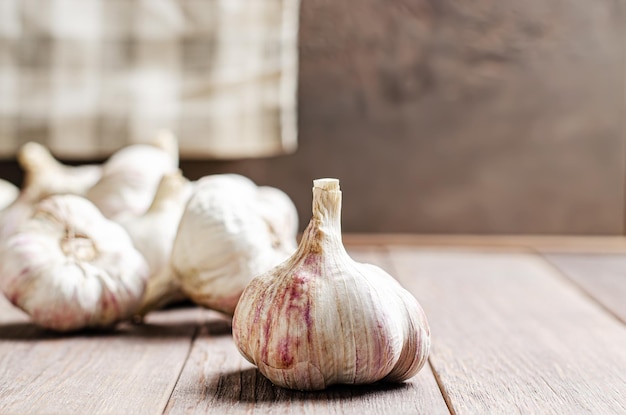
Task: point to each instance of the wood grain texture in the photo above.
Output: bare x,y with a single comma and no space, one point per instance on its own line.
131,370
218,379
602,276
510,333
511,337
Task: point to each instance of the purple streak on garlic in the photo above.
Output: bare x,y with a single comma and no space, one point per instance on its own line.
131,176
69,268
320,318
226,236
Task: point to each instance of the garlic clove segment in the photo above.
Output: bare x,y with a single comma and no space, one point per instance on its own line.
131,176
320,318
224,238
45,173
153,235
69,268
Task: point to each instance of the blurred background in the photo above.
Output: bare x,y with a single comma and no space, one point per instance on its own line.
438,116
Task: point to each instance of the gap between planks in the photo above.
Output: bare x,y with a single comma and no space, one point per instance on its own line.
510,336
131,369
601,277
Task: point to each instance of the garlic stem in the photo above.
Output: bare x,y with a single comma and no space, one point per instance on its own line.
33,157
325,225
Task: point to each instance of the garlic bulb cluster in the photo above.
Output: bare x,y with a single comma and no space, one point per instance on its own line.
69,268
123,186
230,231
131,176
46,176
90,245
153,235
320,318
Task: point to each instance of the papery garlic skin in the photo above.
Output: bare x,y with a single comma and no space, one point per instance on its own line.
43,172
279,212
223,240
153,235
43,176
320,318
131,176
8,193
69,268
19,210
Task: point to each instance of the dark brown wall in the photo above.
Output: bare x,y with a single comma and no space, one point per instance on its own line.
498,116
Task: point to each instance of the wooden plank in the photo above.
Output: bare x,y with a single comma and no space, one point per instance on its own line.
602,276
217,379
510,336
543,243
130,370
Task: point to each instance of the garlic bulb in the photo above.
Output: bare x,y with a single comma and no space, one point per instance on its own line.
224,238
19,210
153,235
43,172
15,214
131,176
8,193
68,267
43,176
321,318
279,213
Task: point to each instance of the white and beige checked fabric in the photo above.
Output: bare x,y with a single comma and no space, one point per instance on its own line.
86,77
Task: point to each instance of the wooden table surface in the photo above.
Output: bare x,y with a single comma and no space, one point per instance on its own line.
519,325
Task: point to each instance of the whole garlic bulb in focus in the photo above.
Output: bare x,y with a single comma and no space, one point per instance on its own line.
153,235
69,268
46,174
8,193
131,176
226,236
321,318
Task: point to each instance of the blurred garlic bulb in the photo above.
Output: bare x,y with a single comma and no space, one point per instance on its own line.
44,173
153,235
131,176
226,236
19,210
8,193
15,214
69,268
320,318
279,213
43,176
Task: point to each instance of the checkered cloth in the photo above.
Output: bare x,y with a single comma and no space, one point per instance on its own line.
86,77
